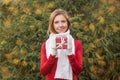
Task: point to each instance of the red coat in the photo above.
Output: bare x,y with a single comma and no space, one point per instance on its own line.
48,66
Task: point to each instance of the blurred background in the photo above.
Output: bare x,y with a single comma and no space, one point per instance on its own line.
23,28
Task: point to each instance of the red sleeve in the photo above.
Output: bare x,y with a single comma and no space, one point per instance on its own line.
76,60
46,64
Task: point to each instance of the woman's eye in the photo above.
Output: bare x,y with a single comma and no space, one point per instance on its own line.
63,21
56,22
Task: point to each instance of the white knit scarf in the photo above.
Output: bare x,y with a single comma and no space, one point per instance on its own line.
64,69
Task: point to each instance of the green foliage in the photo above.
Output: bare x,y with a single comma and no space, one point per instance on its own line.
23,28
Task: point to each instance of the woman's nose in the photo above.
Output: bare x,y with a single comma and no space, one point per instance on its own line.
60,24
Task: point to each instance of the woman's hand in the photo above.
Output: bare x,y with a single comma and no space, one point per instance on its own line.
70,46
53,45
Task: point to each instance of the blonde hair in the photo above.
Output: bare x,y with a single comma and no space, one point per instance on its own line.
52,17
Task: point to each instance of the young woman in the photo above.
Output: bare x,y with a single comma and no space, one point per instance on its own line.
58,63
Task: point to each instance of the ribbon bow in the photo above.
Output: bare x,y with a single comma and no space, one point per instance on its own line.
63,42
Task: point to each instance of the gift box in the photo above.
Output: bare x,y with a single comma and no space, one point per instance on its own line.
61,42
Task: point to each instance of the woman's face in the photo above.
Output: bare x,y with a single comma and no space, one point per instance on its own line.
60,24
